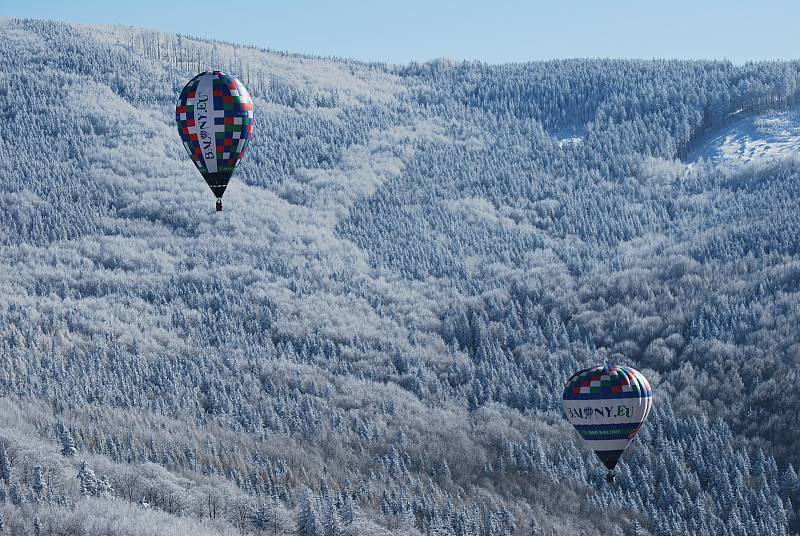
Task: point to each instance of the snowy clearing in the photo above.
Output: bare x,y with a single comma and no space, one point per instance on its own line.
571,135
768,136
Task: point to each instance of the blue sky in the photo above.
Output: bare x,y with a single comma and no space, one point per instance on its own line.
494,31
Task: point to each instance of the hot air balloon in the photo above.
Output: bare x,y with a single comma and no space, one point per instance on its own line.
214,113
608,405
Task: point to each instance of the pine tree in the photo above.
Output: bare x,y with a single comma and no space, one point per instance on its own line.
17,497
87,479
638,529
759,467
38,485
307,523
37,526
331,524
272,517
68,449
5,465
104,487
789,482
508,522
349,510
260,516
536,529
440,527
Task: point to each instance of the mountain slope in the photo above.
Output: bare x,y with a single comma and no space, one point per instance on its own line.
372,338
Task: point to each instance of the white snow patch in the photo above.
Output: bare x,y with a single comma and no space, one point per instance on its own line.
766,137
570,136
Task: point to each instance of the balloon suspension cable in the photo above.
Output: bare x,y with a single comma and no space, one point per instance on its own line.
219,205
611,477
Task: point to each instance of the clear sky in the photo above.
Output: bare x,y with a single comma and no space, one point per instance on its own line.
491,30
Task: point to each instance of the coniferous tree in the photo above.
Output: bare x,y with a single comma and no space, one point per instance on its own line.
5,465
16,494
331,524
38,484
349,510
273,517
68,449
104,487
88,480
307,519
790,484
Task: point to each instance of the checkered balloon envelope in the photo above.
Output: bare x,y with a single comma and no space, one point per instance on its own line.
608,405
214,113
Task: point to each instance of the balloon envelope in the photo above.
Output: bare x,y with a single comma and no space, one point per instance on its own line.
214,113
607,405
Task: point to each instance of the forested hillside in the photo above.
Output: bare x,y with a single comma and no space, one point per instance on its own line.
373,337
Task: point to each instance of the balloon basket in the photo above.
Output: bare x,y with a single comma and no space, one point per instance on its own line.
611,477
219,205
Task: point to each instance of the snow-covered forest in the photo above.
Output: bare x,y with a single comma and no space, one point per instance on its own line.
373,337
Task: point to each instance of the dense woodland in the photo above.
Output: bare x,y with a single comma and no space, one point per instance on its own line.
373,337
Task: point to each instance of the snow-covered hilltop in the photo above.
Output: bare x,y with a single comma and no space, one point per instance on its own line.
373,337
760,139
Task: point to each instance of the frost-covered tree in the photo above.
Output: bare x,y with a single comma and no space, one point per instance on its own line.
331,522
5,465
308,523
87,479
38,484
68,449
104,487
16,494
273,517
349,510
